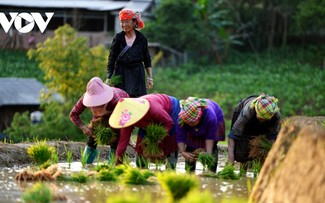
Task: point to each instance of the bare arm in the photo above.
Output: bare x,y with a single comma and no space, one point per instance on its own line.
187,155
231,152
209,146
150,78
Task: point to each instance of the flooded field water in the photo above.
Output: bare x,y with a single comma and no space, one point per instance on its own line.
99,191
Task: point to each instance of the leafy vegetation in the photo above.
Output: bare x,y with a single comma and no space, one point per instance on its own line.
38,193
286,75
207,160
177,186
297,85
40,152
155,133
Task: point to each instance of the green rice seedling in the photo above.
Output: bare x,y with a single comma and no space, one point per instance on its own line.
38,193
106,175
104,135
130,197
45,165
177,186
79,177
121,169
115,80
196,196
100,167
135,176
69,155
40,152
257,166
55,158
83,159
228,172
207,160
155,133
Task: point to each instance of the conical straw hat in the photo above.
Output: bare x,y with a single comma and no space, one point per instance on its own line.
128,111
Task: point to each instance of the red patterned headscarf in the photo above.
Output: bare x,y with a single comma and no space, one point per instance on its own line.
129,14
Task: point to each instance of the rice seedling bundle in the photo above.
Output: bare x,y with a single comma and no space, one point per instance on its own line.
176,185
115,80
259,147
103,133
228,172
135,176
38,193
41,152
155,133
207,160
106,175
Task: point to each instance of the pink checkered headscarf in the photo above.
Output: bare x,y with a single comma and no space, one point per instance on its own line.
265,106
191,110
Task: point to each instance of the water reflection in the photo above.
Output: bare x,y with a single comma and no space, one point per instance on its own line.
96,191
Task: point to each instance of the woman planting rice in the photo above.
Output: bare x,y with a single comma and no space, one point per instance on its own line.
159,109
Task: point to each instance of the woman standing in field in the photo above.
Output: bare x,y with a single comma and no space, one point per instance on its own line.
129,56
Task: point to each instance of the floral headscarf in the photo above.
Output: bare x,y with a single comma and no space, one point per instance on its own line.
129,14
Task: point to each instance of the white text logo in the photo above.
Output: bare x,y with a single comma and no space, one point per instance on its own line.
30,18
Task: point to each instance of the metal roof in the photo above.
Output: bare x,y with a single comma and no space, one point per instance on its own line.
98,5
20,91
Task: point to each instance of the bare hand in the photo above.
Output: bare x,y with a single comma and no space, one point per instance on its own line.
87,131
150,83
189,156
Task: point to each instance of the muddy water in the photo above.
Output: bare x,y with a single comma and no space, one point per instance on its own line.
98,191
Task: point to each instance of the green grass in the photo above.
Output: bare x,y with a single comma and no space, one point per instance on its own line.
290,75
16,64
298,86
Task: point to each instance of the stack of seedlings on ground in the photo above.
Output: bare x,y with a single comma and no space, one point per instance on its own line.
41,152
198,196
106,175
176,185
103,133
259,148
228,172
80,177
155,133
38,193
135,176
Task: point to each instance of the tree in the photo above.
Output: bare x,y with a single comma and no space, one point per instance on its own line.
68,63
